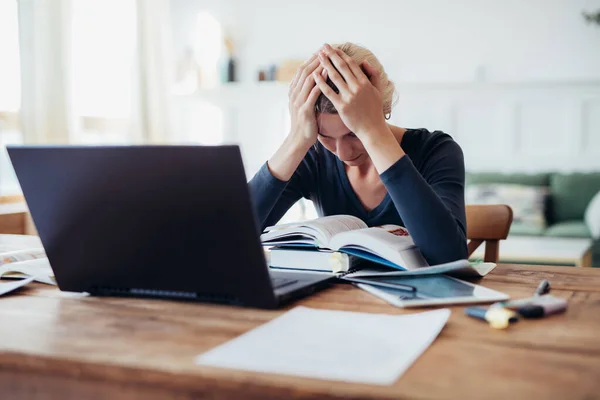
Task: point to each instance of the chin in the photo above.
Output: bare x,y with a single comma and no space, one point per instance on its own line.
354,162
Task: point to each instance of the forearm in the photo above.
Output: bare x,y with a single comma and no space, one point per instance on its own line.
288,157
382,146
266,192
275,188
435,229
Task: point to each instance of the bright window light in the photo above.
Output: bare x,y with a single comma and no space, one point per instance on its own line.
103,44
209,41
10,81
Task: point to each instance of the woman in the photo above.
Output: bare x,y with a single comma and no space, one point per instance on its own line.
343,155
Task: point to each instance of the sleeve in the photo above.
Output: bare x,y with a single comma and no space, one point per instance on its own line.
272,198
432,205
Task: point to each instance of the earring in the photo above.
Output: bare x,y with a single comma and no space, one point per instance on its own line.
387,116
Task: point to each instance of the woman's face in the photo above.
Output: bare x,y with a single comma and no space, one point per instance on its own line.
338,139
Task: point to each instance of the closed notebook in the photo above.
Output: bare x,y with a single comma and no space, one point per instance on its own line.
313,260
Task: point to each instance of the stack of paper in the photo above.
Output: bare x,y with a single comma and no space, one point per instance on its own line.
334,345
25,265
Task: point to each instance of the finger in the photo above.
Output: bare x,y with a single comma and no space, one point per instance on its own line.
299,72
306,71
303,66
358,73
373,74
309,84
313,95
334,75
326,89
342,67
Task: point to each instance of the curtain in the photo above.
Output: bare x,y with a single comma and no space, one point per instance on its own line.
47,111
152,112
44,29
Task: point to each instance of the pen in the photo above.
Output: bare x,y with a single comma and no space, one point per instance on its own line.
397,286
543,288
498,318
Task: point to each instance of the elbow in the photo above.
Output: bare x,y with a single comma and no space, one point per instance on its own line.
451,250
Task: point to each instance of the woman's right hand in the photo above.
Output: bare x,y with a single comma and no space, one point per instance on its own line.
303,95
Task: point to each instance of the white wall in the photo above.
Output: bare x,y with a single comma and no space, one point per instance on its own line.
515,82
417,41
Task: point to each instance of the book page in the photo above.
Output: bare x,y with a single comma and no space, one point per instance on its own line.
22,255
390,242
322,229
459,268
39,269
334,345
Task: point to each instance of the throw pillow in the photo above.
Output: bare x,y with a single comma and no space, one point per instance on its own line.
527,202
592,216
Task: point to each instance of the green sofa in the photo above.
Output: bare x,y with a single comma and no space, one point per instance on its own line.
565,205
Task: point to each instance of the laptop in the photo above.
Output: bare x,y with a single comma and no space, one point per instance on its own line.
152,221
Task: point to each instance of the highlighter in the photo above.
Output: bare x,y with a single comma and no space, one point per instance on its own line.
497,317
535,307
541,306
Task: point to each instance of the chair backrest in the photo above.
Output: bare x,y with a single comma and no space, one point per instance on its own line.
490,224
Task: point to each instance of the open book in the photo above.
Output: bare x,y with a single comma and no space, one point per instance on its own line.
25,265
388,245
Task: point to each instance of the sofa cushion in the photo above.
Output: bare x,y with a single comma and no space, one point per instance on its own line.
592,216
571,194
518,179
521,229
527,202
574,229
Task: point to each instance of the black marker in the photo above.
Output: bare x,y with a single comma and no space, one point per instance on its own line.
543,288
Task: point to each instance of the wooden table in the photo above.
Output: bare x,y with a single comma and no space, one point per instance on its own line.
61,345
544,250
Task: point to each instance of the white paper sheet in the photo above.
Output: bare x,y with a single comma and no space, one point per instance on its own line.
333,345
8,286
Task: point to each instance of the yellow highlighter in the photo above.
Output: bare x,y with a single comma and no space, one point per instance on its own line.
498,317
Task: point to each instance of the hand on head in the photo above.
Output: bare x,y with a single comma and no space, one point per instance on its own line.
303,94
359,102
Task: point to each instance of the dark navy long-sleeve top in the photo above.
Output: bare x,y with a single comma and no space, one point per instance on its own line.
425,193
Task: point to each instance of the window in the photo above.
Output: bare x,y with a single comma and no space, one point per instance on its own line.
103,57
200,111
10,91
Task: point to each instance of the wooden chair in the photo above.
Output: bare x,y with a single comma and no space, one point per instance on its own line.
490,224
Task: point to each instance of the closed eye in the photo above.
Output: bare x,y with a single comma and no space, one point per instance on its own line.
349,134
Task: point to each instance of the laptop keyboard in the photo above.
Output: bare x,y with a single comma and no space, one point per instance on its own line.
280,282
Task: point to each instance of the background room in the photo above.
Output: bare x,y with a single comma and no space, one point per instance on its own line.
515,83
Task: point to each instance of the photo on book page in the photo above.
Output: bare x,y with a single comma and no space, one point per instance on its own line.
13,256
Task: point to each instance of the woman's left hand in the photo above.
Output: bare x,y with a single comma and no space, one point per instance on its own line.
359,103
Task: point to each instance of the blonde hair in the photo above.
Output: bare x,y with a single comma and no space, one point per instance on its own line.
360,54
